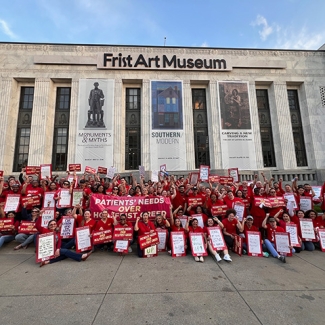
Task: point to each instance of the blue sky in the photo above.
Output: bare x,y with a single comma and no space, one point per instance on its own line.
282,24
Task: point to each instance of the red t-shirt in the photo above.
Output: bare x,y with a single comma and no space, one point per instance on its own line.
195,230
230,226
270,232
101,225
144,228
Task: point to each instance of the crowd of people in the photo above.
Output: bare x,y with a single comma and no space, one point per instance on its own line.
193,209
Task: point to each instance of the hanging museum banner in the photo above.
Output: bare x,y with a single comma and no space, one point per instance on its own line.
94,140
237,139
167,135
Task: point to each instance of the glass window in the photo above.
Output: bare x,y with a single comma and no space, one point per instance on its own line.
297,130
61,128
201,134
265,128
132,129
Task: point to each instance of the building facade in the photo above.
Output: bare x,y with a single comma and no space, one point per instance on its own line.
258,110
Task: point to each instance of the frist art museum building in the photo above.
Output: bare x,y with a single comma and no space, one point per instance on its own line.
182,107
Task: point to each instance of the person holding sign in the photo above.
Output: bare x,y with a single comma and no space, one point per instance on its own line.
123,223
143,227
26,238
305,245
8,234
286,220
105,223
269,242
247,225
194,228
231,224
212,222
61,252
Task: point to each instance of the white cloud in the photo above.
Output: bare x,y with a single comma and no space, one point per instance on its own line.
205,44
301,39
266,30
6,29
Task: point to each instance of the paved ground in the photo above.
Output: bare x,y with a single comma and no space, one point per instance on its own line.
109,289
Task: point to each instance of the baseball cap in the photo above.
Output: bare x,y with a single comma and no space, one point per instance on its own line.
249,218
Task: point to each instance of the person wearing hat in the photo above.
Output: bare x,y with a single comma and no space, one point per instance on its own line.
269,242
247,225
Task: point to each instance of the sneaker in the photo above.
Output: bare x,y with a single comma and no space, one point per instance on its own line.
244,252
196,258
227,258
130,249
218,258
266,254
201,259
169,252
282,258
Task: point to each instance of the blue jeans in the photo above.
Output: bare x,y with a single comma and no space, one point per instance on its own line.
66,253
308,246
270,247
24,239
6,239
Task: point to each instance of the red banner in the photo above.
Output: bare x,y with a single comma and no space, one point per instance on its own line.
218,209
102,237
74,167
148,240
27,227
131,206
195,201
90,170
32,170
238,245
224,180
102,170
262,202
277,202
214,178
123,233
6,224
31,200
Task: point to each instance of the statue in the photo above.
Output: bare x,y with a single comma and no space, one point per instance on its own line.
96,112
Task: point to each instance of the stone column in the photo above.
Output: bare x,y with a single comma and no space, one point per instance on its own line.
214,126
7,143
312,118
256,126
117,163
39,126
188,125
145,126
282,131
73,120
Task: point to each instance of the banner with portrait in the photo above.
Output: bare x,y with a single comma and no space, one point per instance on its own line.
94,139
167,135
237,139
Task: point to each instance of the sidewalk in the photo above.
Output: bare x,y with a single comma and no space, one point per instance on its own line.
109,289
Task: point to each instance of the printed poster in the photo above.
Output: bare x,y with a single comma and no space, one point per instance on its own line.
237,139
167,135
94,140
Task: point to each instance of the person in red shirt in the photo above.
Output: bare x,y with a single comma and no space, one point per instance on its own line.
123,223
105,223
143,227
269,242
8,235
88,221
194,227
213,222
32,189
230,199
86,193
61,252
231,224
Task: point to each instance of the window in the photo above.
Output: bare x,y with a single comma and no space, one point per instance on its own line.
61,129
201,135
23,128
297,130
132,129
265,128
